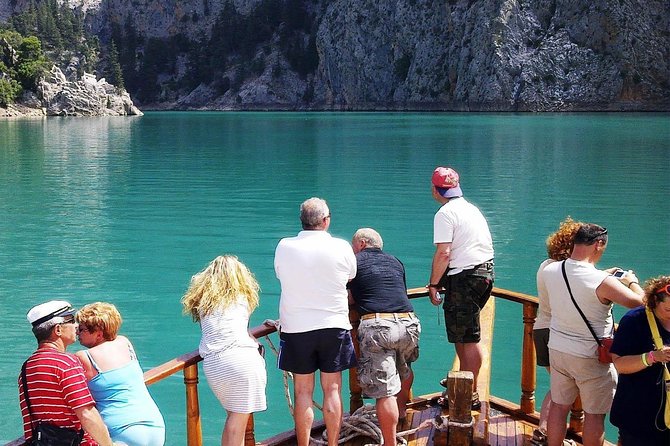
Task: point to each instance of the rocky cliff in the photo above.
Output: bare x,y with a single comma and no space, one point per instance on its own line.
539,55
58,96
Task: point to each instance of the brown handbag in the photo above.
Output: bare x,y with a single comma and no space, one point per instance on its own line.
604,346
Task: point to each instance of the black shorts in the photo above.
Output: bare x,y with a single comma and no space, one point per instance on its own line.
541,341
466,294
329,350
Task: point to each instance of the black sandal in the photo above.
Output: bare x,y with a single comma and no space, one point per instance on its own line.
539,438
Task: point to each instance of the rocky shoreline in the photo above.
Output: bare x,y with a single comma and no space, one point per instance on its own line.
58,95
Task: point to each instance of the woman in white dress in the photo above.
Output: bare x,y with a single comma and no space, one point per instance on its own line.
222,297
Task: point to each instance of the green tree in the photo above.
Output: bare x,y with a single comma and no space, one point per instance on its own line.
47,28
32,63
115,73
9,91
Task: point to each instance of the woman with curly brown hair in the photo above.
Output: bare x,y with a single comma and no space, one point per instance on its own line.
559,246
222,297
641,395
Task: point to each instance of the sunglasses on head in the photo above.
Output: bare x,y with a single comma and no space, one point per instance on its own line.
665,289
600,233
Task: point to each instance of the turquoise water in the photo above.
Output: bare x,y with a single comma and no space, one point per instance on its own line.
127,209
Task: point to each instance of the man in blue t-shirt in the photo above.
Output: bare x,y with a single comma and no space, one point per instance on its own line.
388,333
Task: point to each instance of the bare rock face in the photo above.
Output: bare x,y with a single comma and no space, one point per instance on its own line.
84,97
496,55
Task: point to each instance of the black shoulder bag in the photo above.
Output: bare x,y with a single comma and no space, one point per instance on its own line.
46,434
605,343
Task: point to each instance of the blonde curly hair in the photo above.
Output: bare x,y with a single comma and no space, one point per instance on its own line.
652,291
561,242
219,285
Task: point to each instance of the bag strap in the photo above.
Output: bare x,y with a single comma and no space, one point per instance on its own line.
581,313
655,334
24,382
658,344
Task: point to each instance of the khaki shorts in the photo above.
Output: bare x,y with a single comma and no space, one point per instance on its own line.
387,347
573,375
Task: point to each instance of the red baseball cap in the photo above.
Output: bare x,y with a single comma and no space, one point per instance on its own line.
446,179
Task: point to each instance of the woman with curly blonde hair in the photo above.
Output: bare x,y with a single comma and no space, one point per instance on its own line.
559,247
222,297
640,401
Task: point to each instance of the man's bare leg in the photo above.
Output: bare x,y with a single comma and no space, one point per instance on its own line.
470,355
403,396
556,424
303,391
594,429
387,414
331,384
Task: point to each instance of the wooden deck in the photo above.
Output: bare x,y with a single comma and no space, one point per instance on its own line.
504,429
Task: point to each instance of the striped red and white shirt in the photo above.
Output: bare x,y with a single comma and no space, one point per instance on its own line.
56,386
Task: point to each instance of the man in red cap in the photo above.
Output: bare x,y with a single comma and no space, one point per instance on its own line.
463,267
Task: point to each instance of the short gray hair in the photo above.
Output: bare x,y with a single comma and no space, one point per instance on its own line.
43,331
370,237
312,212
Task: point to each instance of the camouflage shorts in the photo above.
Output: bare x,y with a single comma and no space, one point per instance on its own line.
466,295
387,347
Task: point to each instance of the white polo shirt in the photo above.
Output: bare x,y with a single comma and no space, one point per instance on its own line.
313,269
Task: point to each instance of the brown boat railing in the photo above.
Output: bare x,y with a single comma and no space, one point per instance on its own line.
188,363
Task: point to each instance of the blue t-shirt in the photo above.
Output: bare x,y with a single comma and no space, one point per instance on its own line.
379,285
638,402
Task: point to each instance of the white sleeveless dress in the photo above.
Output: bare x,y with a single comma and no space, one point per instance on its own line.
234,369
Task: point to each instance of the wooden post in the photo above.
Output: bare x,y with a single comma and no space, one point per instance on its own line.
355,391
249,437
193,427
460,402
528,360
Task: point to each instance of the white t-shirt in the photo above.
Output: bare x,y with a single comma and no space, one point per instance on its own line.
462,224
314,269
569,334
544,310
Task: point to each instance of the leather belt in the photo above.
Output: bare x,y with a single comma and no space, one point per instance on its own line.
392,316
486,265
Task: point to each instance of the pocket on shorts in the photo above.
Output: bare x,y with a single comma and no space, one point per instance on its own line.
479,289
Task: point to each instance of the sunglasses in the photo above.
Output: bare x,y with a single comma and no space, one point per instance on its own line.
69,320
600,233
665,289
